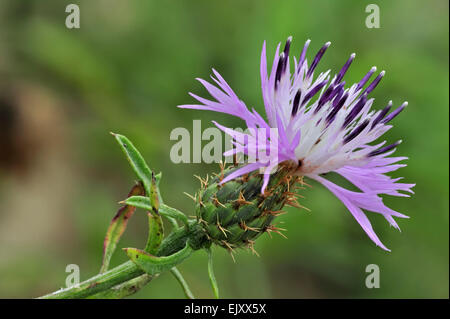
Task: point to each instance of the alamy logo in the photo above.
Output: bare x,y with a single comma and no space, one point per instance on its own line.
373,279
249,146
73,19
373,19
73,279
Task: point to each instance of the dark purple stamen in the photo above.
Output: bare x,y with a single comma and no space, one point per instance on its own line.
286,54
338,95
280,69
317,59
345,68
384,149
338,90
296,103
381,115
329,94
374,83
325,97
356,131
336,108
314,91
303,54
365,78
355,110
287,46
395,113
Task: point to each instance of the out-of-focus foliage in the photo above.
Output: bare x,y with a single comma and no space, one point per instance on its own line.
62,91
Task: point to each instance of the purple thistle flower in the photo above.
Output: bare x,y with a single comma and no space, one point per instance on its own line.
331,133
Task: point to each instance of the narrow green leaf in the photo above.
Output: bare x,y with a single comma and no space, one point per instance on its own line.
150,182
179,277
158,178
155,233
139,202
154,195
117,227
174,213
167,211
155,265
212,277
136,160
172,221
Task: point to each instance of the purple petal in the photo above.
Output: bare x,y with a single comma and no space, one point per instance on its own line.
356,211
242,171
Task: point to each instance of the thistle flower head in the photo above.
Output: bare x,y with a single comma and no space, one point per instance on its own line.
233,214
322,126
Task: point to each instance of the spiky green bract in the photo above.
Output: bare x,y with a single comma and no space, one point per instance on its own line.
235,213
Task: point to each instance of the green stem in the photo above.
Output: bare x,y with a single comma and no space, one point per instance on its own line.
124,289
179,277
128,270
212,277
101,282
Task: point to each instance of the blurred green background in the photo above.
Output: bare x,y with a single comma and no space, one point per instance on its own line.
125,70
